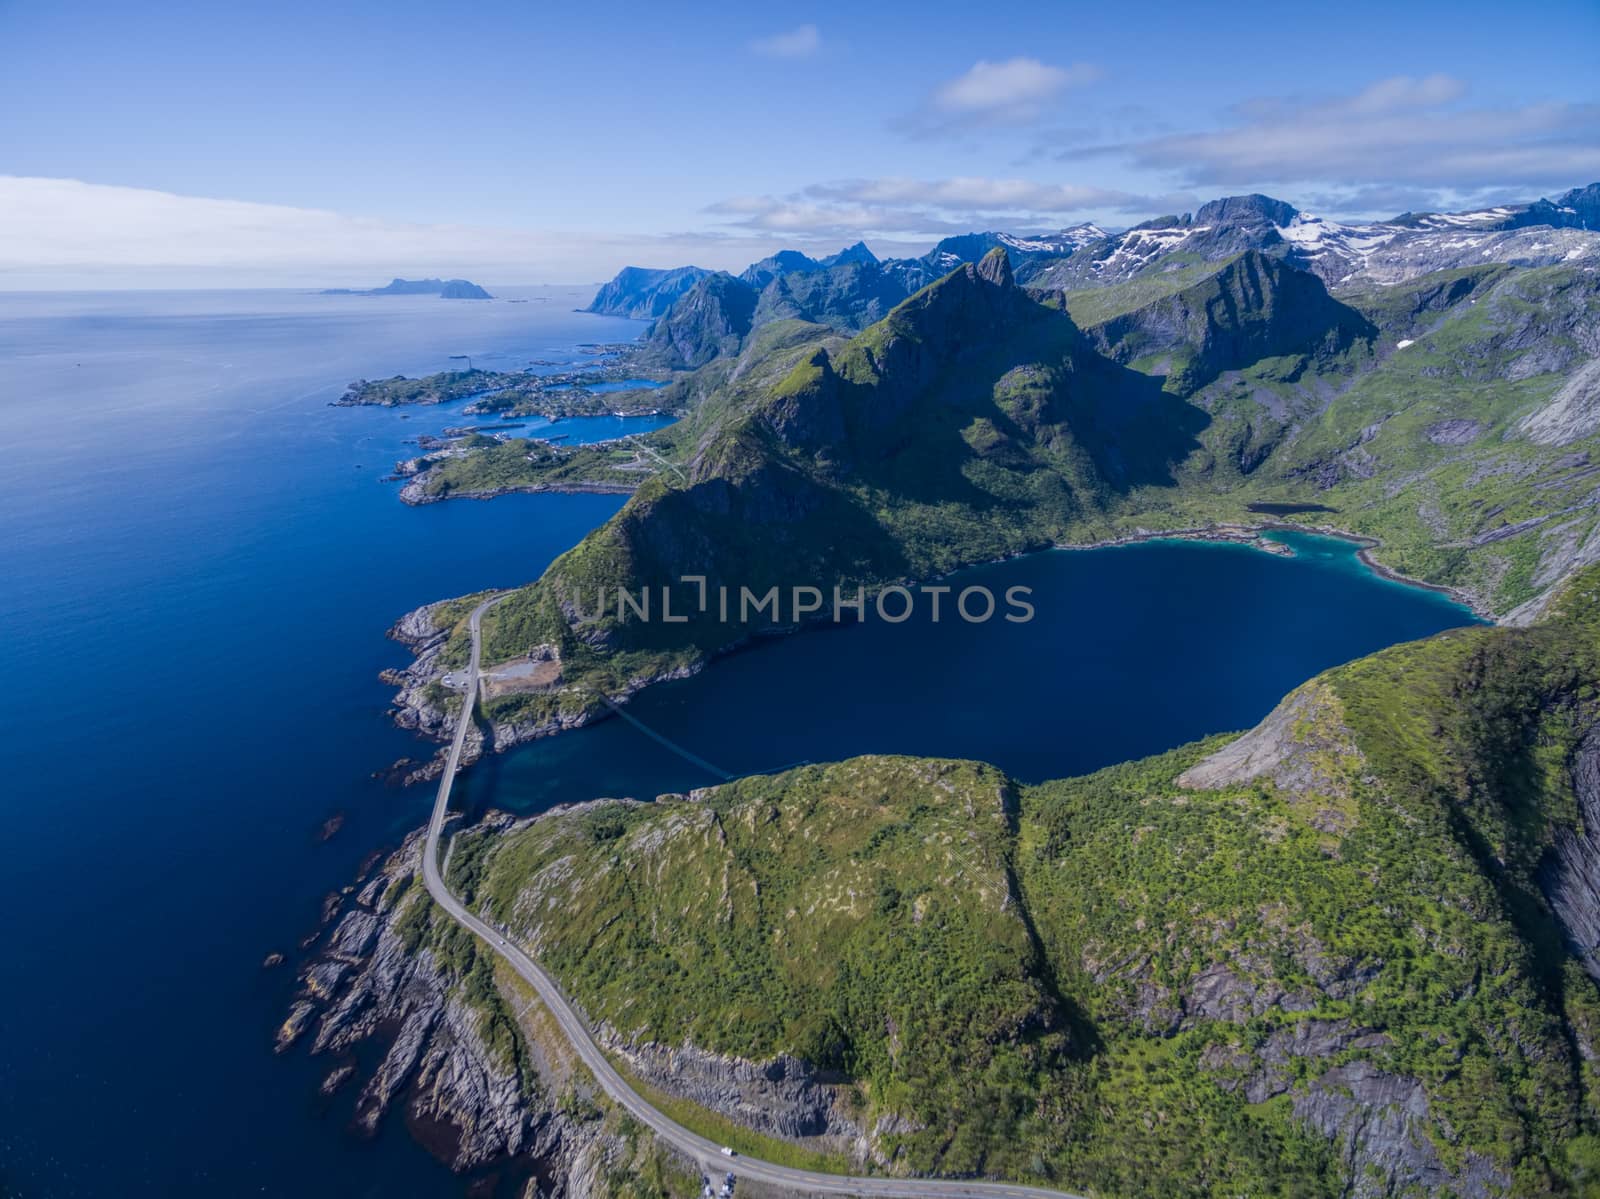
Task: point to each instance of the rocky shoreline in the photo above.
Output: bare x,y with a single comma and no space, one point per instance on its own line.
395,997
531,1116
415,707
1367,556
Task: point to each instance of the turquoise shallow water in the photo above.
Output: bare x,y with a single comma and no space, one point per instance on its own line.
197,563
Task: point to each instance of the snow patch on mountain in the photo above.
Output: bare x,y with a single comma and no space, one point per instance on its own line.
1140,247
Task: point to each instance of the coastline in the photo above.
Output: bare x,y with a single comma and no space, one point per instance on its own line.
412,494
1250,535
1365,554
427,722
1223,534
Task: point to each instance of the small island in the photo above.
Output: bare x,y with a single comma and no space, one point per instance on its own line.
611,385
446,289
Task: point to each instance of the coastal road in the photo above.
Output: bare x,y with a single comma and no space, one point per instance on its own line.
707,1153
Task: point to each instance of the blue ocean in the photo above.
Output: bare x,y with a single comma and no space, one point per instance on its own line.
198,560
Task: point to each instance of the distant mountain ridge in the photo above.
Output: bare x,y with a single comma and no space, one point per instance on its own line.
448,289
697,318
643,293
1540,233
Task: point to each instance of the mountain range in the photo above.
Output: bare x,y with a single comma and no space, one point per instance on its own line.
1063,391
1350,952
853,288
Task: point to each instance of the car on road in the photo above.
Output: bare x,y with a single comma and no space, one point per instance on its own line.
726,1152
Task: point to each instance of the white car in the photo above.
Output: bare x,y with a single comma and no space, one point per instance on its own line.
726,1152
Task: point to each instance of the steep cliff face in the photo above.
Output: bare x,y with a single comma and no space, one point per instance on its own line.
711,319
888,456
848,295
975,309
1450,418
1573,413
784,262
1256,307
823,954
644,294
968,397
1571,874
852,253
782,1097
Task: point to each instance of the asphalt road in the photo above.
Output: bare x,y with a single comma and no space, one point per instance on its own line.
708,1153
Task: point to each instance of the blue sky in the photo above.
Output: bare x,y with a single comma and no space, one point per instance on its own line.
297,143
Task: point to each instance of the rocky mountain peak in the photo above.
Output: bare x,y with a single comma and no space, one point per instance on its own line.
1584,202
1253,209
856,253
784,262
995,268
712,318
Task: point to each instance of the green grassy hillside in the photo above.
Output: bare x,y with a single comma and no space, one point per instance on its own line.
1335,956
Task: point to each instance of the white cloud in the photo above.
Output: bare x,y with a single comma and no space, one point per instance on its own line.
1014,92
66,233
800,42
1397,131
978,194
919,208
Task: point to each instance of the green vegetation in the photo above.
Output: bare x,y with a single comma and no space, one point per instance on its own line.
960,429
439,388
1333,960
965,425
1153,980
517,393
524,464
508,1014
1096,305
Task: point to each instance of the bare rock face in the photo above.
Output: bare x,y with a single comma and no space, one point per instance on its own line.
783,1097
470,1104
1564,549
1457,431
1572,414
1571,877
1380,1123
1303,747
